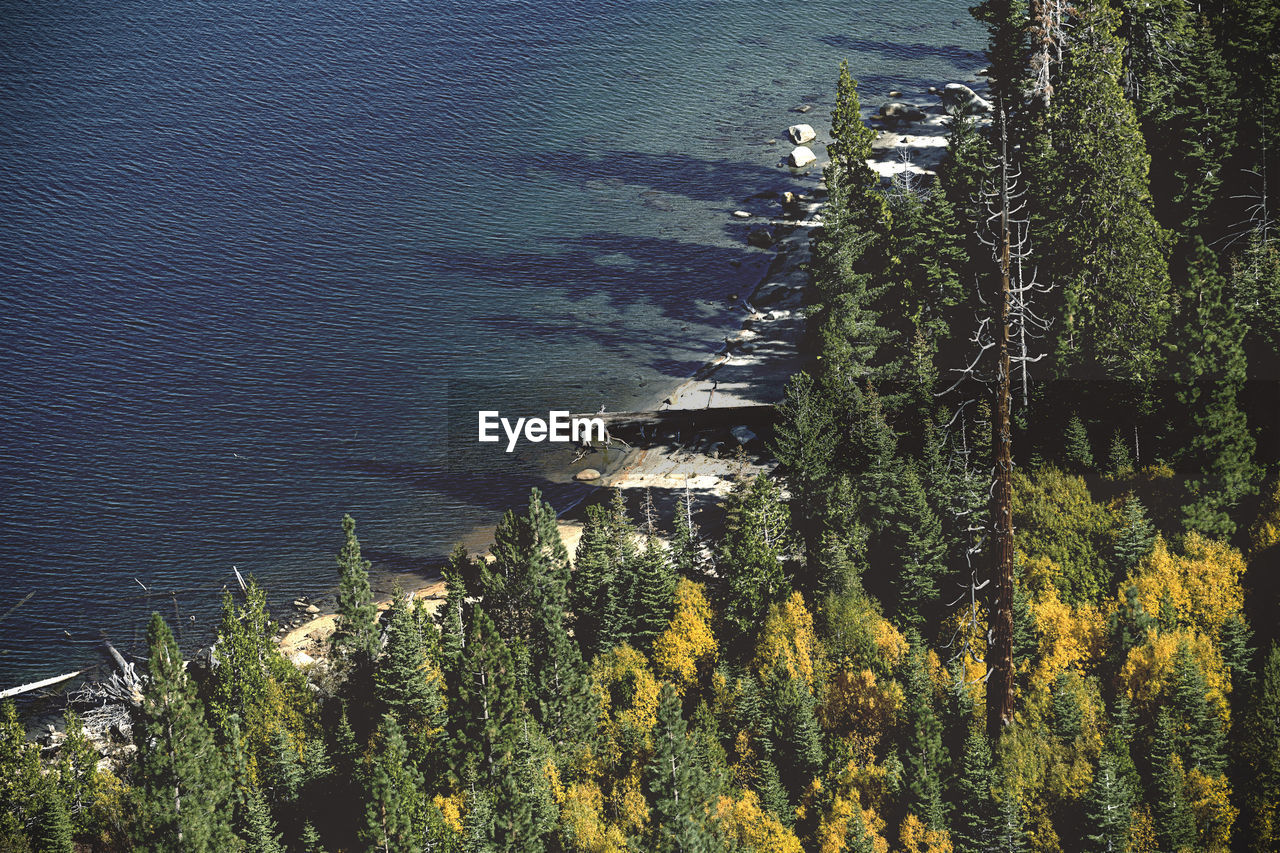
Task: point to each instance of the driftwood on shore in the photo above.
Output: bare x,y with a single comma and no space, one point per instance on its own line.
36,685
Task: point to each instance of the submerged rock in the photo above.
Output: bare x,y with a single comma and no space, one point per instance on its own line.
803,108
801,157
761,238
801,133
899,111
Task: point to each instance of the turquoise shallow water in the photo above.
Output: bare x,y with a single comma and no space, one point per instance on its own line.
251,251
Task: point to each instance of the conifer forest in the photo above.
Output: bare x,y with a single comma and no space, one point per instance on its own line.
1014,584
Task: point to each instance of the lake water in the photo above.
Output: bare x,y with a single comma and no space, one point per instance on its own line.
254,254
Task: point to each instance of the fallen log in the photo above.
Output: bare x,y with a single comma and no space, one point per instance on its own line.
36,685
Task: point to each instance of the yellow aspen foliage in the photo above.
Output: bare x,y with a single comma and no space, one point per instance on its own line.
1202,585
1068,637
627,689
749,827
1265,532
788,638
856,703
688,640
584,826
891,645
1150,665
918,838
450,809
629,806
833,827
1210,800
1142,832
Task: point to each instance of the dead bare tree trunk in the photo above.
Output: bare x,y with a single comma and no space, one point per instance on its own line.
1000,657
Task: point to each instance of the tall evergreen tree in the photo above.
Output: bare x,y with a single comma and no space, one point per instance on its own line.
392,793
1218,455
606,548
356,637
530,568
1108,809
753,554
182,781
1175,823
677,824
260,832
1137,535
1105,250
1077,452
407,683
1259,759
652,584
973,827
489,699
923,753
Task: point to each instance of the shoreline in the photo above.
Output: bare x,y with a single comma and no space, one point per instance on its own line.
754,363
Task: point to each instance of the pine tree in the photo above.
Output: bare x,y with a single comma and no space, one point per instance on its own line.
1076,449
260,831
805,444
795,733
918,553
392,793
676,819
356,637
604,551
686,540
1105,250
1259,758
565,704
1119,462
653,584
407,684
451,615
1255,294
52,830
923,754
530,569
972,829
181,777
1185,100
79,780
19,776
1218,457
1198,734
1137,535
489,699
1108,809
1175,823
753,554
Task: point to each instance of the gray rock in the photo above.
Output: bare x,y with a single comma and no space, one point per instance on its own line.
901,112
958,97
801,133
803,108
588,474
742,435
801,157
895,94
741,214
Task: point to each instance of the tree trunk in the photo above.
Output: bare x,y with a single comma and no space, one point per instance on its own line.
1000,655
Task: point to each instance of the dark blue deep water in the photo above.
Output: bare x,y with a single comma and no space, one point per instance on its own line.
249,250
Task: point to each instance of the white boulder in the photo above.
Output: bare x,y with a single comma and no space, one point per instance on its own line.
801,156
801,133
